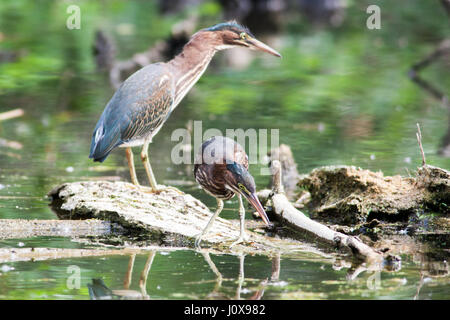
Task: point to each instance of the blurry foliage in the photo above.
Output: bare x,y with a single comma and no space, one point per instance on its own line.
27,73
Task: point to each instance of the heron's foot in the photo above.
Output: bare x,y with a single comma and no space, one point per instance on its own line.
160,189
133,186
243,238
198,239
141,188
169,188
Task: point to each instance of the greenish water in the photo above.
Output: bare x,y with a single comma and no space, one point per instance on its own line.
185,274
338,96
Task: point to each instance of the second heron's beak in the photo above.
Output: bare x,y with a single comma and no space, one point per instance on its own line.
254,201
258,45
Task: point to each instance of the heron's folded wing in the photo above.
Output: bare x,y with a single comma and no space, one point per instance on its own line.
139,107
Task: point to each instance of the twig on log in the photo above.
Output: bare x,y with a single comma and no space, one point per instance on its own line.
442,49
419,140
290,174
277,185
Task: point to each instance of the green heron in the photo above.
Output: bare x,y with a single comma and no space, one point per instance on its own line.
143,103
221,169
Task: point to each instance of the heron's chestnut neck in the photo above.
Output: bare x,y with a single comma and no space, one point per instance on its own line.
197,53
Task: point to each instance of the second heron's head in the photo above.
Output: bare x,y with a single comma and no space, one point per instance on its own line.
231,34
240,181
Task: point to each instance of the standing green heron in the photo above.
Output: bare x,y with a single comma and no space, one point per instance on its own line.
142,104
221,169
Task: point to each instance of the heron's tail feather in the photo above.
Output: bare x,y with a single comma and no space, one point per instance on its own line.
98,290
103,142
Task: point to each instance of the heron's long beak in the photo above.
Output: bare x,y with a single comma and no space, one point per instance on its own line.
258,45
254,201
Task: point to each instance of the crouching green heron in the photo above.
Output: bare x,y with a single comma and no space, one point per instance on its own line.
142,104
221,169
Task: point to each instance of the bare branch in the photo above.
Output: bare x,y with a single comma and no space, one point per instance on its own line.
15,113
288,213
419,140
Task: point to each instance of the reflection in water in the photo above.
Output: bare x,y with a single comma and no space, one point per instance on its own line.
240,282
429,268
207,274
275,268
253,285
99,291
214,269
216,294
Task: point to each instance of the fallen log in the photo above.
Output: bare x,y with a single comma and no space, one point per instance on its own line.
167,218
348,195
39,254
174,218
21,228
361,201
10,144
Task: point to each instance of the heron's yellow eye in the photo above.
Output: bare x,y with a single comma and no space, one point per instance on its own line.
243,35
242,187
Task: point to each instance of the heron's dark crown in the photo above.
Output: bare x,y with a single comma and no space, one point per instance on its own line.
230,26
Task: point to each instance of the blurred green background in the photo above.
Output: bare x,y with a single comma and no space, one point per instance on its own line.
340,95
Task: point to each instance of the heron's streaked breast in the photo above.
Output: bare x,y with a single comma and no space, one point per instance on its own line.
187,81
212,186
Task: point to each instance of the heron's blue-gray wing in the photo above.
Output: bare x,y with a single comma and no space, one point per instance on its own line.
138,108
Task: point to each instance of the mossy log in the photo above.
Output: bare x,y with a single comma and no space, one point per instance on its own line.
348,195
